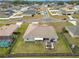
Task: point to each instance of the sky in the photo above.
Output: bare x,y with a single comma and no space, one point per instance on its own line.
50,0
41,0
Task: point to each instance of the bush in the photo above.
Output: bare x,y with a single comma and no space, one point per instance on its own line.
65,31
76,49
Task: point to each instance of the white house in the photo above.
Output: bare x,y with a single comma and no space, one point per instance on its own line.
44,33
39,32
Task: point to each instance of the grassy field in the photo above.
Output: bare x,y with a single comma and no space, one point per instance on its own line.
76,16
34,17
3,51
3,16
58,16
38,47
74,41
59,26
21,30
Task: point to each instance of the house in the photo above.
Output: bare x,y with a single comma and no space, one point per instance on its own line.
36,32
54,12
6,35
35,6
72,20
73,30
9,12
24,9
29,12
7,30
67,11
76,7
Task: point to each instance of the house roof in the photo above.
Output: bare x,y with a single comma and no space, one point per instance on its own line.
7,30
77,6
30,12
34,6
50,19
40,31
73,29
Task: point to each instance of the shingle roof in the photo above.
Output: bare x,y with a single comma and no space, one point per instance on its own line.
30,12
73,29
39,31
7,30
50,19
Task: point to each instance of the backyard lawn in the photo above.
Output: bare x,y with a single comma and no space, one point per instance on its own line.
3,51
39,47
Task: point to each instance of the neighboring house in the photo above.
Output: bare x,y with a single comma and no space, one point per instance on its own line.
72,20
7,31
9,12
67,10
35,6
54,12
6,35
73,30
24,9
76,7
36,32
29,12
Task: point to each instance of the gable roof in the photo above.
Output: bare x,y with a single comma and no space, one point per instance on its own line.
35,30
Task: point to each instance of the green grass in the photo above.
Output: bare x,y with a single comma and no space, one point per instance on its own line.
34,17
21,30
38,47
58,16
3,16
76,16
3,51
60,25
73,41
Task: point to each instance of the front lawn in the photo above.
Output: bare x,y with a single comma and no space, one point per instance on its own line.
33,17
62,17
39,47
